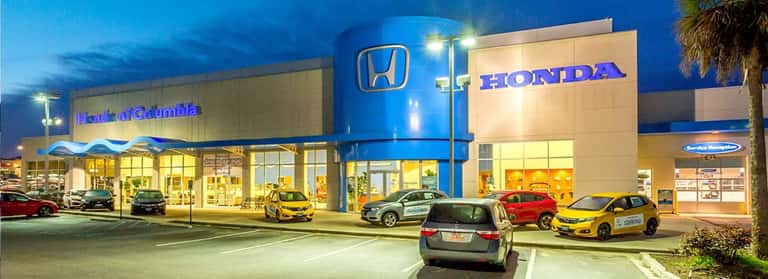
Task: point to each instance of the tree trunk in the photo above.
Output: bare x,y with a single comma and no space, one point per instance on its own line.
759,181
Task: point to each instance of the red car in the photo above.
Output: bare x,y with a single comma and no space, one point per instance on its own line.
19,204
527,207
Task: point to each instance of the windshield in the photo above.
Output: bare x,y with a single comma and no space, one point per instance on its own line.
78,193
97,194
459,214
292,196
590,203
394,196
494,196
149,195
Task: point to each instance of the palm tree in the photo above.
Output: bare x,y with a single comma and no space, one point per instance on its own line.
732,36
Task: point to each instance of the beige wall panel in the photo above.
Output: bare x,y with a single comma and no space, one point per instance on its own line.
278,105
724,103
600,116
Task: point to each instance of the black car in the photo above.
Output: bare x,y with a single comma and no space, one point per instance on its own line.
98,199
148,201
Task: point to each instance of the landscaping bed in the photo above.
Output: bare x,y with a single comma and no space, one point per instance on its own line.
698,267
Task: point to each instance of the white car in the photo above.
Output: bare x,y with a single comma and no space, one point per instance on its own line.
73,198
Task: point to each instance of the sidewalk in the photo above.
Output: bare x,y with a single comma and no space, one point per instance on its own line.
666,239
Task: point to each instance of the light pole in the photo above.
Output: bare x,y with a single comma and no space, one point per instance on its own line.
435,43
47,122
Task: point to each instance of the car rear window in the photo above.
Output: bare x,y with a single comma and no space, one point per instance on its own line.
97,194
459,214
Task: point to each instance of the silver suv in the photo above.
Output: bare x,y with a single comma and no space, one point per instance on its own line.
403,205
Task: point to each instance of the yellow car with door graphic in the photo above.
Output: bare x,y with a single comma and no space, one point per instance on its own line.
603,215
287,204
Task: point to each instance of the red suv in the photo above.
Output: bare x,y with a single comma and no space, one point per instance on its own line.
19,204
527,207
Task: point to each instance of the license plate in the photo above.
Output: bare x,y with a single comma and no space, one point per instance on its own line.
148,209
456,237
300,214
565,228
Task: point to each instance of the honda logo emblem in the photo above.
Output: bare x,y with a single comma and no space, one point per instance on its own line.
385,67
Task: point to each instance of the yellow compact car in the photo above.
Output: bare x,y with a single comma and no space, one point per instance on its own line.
287,204
606,214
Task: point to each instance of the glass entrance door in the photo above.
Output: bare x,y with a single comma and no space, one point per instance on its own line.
382,184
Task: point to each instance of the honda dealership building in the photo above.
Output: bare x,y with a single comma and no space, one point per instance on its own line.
554,109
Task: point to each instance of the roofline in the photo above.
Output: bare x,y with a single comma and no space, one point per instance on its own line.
263,70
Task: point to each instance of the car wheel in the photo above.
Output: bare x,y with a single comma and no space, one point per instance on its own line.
545,221
277,217
133,212
162,212
604,232
82,208
389,219
651,227
44,211
112,208
309,219
502,266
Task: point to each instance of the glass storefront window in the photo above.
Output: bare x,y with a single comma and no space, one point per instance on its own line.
545,166
99,173
176,172
135,173
372,180
710,181
222,179
315,177
35,176
270,169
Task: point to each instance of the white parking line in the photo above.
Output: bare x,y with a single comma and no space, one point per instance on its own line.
340,250
265,244
647,272
529,269
204,239
417,264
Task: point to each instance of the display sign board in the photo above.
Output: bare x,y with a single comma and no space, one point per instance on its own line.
429,182
665,199
710,148
577,73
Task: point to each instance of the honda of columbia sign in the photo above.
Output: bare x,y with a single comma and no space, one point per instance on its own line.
566,74
383,68
139,113
710,148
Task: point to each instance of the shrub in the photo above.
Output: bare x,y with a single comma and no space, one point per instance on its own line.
721,243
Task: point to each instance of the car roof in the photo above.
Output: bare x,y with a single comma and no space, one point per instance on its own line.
518,192
148,190
474,201
287,190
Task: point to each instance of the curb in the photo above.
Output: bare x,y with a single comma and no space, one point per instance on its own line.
307,230
625,250
91,214
657,268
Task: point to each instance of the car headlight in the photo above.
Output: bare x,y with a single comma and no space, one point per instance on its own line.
161,204
308,207
374,208
587,219
283,207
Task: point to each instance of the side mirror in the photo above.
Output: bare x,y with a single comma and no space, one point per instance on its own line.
618,210
404,200
511,217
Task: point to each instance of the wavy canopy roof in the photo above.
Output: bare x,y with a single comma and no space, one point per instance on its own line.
109,146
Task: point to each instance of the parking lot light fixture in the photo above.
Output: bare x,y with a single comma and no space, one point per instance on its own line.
46,98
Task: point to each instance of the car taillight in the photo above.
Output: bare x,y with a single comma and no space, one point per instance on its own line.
489,235
428,231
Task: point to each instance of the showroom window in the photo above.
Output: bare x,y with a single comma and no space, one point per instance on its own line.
315,177
222,179
176,172
99,173
545,166
270,169
135,173
716,180
36,174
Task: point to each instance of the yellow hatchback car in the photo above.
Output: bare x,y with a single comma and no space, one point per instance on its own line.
603,215
287,204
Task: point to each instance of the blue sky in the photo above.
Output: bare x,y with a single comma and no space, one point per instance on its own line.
65,45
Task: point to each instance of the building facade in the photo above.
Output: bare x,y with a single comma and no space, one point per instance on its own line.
554,109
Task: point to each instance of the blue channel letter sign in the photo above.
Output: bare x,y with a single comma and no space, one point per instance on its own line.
565,74
711,148
383,68
139,113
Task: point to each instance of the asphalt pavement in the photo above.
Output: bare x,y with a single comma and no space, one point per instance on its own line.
83,247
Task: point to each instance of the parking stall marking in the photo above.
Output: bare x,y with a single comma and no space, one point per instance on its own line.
647,272
529,269
204,239
415,265
341,250
264,244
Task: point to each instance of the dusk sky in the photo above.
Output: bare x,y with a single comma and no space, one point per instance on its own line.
64,45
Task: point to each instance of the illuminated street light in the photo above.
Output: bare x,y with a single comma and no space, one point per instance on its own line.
46,98
19,147
435,43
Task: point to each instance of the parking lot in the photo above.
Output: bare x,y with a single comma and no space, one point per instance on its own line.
74,246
